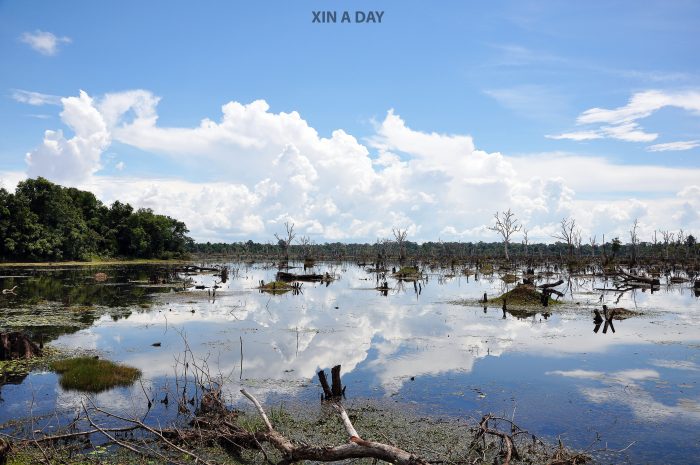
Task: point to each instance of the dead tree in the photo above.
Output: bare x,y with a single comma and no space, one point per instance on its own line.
668,239
591,240
400,237
506,225
578,241
680,241
286,242
567,233
306,246
526,242
634,239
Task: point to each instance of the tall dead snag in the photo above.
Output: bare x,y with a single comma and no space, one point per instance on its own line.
568,233
526,241
334,392
634,240
506,225
286,242
400,236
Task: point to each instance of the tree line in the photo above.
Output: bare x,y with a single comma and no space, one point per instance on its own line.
569,243
43,221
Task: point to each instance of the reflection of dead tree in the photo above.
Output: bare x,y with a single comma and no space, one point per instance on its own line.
598,320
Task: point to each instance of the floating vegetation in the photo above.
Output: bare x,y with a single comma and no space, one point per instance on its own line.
408,272
620,313
523,295
90,374
487,269
275,287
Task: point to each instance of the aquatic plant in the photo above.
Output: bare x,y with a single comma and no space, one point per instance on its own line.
91,374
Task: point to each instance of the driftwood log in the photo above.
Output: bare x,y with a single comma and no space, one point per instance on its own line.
630,278
550,285
289,277
16,345
10,291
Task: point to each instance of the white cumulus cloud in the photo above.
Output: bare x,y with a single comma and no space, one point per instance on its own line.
259,169
77,158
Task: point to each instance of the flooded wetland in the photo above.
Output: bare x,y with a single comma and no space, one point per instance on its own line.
623,383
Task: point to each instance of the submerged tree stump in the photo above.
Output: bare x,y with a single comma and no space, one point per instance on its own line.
16,345
337,390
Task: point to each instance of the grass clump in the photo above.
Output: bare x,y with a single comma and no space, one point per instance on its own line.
276,287
523,295
89,374
410,272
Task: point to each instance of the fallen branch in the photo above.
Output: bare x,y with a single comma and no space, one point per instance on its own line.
511,451
357,447
638,280
10,291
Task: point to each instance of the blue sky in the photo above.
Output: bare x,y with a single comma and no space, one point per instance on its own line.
455,109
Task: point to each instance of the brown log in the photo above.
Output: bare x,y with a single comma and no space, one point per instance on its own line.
639,279
547,286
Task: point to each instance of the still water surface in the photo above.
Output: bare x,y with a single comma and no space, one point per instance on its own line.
554,375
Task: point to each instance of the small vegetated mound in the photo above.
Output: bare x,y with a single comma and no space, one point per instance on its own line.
407,272
522,295
275,287
509,278
486,269
620,313
90,374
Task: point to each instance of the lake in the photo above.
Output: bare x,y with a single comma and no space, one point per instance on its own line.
432,348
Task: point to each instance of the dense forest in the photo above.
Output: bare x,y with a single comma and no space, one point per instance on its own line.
45,221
